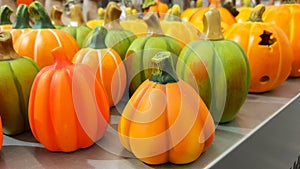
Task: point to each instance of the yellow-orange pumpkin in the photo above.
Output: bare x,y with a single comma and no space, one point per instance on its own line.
166,120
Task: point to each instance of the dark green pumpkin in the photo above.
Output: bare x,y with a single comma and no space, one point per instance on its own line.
142,49
16,77
117,38
217,68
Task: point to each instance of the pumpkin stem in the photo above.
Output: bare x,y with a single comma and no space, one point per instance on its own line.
76,15
212,29
22,17
55,16
148,3
60,58
215,4
154,27
163,71
112,16
98,38
7,51
41,17
5,13
256,14
173,14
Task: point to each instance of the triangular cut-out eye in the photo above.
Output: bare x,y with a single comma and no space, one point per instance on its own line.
266,39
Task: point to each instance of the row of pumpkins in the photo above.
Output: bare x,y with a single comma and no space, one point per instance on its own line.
61,83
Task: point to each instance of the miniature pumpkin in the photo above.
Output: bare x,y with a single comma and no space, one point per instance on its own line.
227,18
217,68
39,42
290,24
21,24
117,38
174,27
106,63
142,49
165,120
268,50
68,108
16,77
77,27
5,13
155,6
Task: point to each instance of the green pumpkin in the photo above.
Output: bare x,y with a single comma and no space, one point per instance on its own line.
116,38
217,68
16,77
142,49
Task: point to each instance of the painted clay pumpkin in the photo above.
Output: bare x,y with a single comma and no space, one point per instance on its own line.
268,50
218,69
68,107
43,38
106,63
165,120
16,77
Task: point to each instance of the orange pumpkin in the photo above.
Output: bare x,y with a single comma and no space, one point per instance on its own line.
227,18
43,38
106,63
187,13
287,17
268,50
5,13
165,120
21,24
68,108
155,6
26,2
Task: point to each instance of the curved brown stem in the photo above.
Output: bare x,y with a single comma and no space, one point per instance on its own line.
154,27
7,51
112,16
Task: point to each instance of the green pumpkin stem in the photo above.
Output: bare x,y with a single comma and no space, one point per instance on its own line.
55,16
98,38
256,14
112,16
163,71
5,13
212,29
22,17
7,51
148,3
76,16
154,27
41,17
173,14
